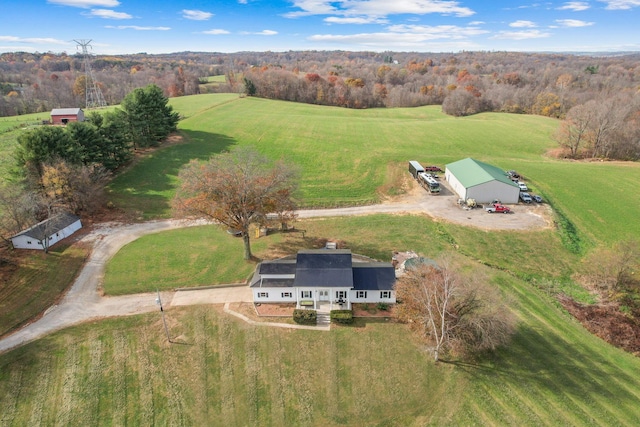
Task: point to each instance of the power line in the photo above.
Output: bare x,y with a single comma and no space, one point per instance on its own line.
93,94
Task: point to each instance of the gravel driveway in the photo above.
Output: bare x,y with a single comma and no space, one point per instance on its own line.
83,302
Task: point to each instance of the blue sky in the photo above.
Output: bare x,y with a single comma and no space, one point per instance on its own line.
161,26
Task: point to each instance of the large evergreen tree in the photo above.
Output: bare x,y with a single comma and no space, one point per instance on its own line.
149,116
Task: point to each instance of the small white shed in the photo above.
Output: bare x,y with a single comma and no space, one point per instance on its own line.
47,233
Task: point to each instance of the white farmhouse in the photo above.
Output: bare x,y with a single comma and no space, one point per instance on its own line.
330,277
47,233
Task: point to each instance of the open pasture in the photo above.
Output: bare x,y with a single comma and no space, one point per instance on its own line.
345,156
222,371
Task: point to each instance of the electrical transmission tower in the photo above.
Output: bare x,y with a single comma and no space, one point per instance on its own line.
93,94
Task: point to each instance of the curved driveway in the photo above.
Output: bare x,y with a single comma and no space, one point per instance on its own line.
83,302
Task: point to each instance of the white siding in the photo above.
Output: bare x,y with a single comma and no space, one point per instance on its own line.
455,184
488,191
372,297
268,295
26,242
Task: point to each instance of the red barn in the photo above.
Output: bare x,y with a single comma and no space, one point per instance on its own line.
62,116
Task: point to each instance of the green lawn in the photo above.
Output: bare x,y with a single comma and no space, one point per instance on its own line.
225,372
194,256
347,156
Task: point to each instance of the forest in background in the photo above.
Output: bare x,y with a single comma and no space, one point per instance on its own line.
597,95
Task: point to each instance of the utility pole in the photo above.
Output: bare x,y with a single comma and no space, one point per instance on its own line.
164,321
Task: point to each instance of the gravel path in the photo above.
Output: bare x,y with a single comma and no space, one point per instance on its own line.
83,302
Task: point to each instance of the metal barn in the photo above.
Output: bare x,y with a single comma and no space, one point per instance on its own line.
473,179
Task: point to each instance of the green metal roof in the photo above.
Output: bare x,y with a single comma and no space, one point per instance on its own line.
471,172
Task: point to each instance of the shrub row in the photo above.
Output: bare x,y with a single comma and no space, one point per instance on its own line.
341,316
305,317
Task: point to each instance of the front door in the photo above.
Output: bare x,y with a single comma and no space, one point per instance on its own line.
323,295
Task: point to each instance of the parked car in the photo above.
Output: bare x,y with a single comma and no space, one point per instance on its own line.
513,174
522,186
525,197
432,168
498,209
536,198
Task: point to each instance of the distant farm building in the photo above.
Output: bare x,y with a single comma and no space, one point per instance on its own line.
473,179
62,116
47,233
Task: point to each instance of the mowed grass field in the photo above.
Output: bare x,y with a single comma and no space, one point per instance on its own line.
346,156
224,372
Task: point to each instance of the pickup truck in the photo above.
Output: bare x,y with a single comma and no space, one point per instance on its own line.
498,208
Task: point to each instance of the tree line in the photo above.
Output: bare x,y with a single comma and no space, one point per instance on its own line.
65,168
464,83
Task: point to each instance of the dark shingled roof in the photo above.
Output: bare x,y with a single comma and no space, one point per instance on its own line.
373,277
324,268
279,266
49,226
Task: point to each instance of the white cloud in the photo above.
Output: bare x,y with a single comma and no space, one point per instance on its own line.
86,4
31,40
445,37
521,35
196,15
108,14
260,33
378,8
573,23
355,20
437,31
523,24
576,6
620,4
137,28
215,31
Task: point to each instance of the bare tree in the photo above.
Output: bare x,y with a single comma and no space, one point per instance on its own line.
18,208
236,189
574,130
452,311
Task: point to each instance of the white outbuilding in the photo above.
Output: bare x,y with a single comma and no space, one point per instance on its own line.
47,233
473,179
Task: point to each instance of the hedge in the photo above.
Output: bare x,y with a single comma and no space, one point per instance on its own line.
341,316
305,317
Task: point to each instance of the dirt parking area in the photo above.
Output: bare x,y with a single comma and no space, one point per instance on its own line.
444,207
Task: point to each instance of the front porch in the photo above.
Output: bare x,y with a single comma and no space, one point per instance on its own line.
324,300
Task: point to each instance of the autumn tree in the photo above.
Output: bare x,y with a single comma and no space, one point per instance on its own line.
454,312
73,188
237,189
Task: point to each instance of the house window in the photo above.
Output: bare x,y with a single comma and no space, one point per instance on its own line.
286,295
361,294
341,294
385,294
28,242
263,294
306,294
